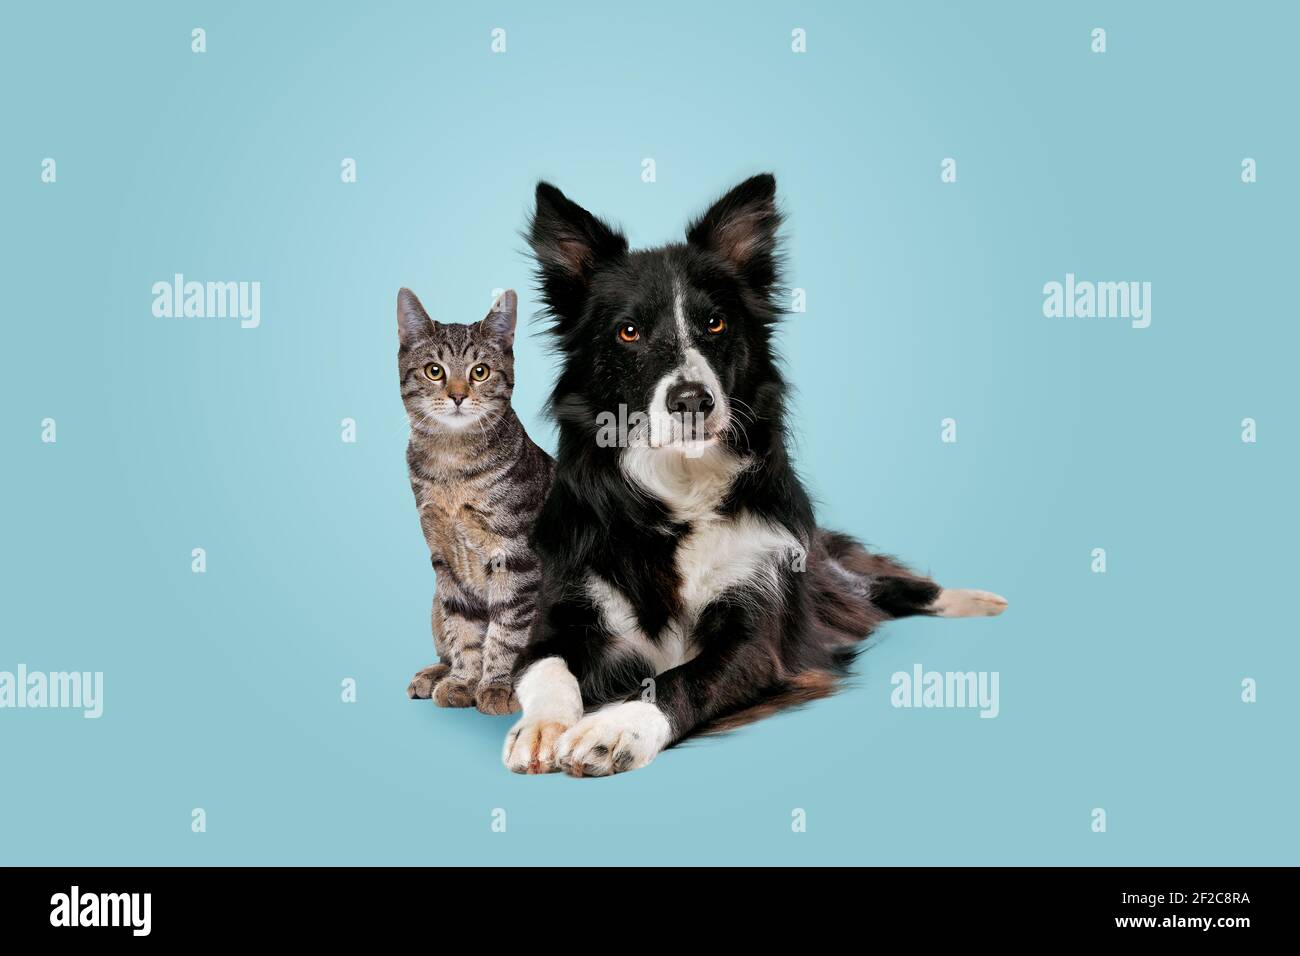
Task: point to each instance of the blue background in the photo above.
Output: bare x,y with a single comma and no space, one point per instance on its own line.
222,690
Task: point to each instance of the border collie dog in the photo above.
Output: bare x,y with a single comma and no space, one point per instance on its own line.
686,586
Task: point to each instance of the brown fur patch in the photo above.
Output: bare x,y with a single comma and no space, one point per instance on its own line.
802,688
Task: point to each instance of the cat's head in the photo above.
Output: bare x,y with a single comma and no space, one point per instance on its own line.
455,377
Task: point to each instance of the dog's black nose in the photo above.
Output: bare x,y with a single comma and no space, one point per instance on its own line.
690,398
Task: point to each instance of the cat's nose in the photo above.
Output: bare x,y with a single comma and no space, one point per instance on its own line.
690,398
457,395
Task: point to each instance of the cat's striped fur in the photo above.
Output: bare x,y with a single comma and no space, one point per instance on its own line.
479,481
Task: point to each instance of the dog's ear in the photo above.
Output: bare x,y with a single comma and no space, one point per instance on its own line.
499,323
741,227
570,244
413,323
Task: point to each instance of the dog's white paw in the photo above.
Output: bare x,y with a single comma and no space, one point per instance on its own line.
614,739
552,704
530,746
962,602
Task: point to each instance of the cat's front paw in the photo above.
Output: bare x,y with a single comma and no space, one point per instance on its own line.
530,746
454,691
495,699
615,738
421,686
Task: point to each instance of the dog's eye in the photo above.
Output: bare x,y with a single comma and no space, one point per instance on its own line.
629,333
433,372
479,373
717,324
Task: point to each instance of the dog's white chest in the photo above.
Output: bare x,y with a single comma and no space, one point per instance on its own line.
723,554
717,556
672,648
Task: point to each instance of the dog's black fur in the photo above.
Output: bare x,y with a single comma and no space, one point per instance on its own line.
757,650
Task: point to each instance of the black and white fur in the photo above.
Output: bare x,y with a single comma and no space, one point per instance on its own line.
687,587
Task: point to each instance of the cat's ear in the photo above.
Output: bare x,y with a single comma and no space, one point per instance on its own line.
741,227
413,323
499,323
570,245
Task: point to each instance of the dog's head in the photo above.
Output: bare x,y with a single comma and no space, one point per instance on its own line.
671,345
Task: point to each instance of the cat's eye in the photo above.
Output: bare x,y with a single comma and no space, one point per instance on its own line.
433,372
629,333
717,324
479,373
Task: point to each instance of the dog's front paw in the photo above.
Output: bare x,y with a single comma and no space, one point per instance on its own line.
454,691
422,684
614,739
530,746
495,699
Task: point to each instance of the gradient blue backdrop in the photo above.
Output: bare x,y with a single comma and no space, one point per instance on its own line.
1119,691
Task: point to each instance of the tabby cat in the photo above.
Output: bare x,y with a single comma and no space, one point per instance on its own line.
479,481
